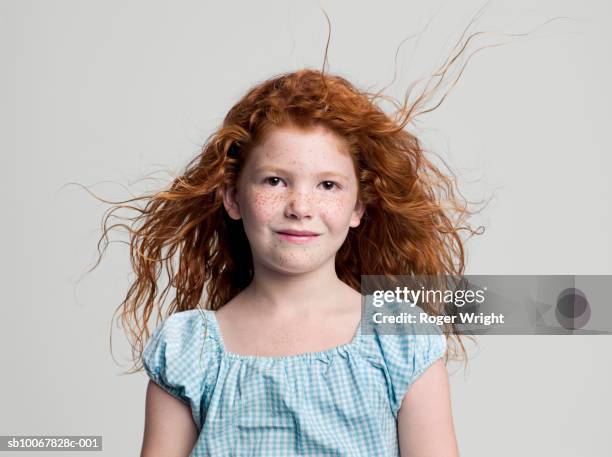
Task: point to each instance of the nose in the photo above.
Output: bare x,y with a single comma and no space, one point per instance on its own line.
299,205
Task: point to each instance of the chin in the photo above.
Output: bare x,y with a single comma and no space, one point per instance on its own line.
295,269
295,266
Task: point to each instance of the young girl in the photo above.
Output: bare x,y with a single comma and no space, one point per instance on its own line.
307,186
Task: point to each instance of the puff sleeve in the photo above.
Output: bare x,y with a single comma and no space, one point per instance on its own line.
175,358
406,356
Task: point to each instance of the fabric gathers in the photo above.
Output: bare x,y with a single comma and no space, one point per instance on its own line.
342,401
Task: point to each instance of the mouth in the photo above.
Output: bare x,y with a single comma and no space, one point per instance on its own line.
295,236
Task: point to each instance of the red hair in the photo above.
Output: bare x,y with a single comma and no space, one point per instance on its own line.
411,225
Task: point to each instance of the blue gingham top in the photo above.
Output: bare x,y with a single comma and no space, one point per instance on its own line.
337,402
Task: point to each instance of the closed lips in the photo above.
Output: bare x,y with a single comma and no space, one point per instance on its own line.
298,233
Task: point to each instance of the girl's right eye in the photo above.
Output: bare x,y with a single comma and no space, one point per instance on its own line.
272,180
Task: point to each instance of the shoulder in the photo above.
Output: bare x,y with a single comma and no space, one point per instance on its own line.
405,352
181,327
179,356
177,336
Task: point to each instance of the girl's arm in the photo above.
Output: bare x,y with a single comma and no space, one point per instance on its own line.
169,428
424,420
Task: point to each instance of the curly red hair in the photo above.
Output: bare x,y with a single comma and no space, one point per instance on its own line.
411,225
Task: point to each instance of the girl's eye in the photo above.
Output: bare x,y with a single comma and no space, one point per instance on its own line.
275,180
329,185
272,180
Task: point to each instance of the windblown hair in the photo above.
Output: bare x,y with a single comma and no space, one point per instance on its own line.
413,214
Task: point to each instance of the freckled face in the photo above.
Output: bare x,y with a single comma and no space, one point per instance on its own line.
296,181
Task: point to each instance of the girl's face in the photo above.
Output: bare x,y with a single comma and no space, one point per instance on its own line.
297,198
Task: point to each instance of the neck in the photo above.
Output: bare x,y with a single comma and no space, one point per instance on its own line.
279,294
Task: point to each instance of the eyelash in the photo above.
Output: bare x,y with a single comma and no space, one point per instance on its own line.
267,180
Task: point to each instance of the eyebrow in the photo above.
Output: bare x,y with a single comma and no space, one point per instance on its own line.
281,171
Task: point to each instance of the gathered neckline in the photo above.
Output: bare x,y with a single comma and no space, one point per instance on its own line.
326,353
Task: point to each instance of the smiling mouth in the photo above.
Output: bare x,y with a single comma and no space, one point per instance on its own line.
296,237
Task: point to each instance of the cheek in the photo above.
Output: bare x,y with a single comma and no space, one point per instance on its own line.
262,205
337,210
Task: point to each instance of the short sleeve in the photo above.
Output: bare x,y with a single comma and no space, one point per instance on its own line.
406,356
175,357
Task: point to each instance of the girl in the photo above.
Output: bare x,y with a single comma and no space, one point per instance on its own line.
306,186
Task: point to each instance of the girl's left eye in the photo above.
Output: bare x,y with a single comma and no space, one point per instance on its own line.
329,185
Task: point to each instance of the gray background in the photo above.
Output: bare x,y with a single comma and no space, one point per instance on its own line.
110,91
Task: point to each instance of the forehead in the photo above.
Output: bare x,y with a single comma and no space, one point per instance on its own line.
317,147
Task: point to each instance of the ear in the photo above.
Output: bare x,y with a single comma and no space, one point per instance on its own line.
230,202
357,213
